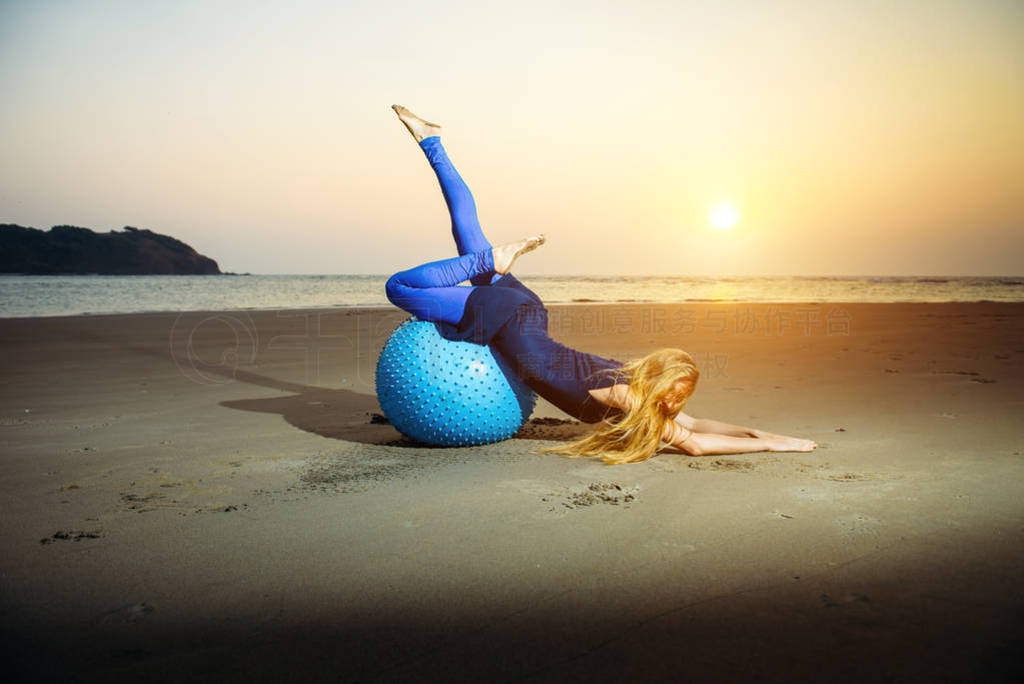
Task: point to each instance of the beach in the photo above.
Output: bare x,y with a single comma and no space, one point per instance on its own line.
215,496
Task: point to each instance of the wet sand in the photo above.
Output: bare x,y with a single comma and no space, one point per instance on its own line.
214,496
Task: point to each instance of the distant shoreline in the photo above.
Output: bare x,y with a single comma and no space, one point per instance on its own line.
630,311
37,295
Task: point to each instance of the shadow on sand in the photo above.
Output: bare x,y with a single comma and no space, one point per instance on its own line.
355,417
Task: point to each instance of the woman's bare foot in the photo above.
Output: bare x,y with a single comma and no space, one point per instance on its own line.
419,128
506,255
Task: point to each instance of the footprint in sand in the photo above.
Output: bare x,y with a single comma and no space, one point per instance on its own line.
564,499
845,477
595,493
730,464
70,535
142,503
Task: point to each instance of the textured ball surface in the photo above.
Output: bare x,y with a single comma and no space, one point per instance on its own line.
448,393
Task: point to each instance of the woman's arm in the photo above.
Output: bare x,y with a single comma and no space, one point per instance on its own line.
701,437
619,396
709,443
720,428
715,426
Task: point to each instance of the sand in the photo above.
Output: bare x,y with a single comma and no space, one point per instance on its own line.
214,496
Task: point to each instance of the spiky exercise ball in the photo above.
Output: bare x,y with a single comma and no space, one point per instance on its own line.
448,393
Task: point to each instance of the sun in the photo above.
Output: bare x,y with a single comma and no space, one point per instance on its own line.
724,215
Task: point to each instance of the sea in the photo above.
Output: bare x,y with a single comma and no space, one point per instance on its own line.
27,296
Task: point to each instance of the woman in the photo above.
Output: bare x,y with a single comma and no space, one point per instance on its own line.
639,404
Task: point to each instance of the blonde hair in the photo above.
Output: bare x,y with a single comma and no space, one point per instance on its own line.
660,385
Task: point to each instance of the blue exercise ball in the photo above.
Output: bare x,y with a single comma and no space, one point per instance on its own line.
447,393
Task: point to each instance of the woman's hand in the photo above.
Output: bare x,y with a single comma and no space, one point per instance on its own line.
768,441
784,443
793,443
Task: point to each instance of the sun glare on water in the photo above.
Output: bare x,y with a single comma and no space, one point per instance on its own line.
724,215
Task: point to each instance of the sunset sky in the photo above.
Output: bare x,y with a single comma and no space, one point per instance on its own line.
855,137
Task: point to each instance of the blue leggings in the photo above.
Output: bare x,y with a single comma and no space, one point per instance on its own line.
431,292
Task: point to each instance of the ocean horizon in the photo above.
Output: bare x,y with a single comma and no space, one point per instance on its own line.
33,296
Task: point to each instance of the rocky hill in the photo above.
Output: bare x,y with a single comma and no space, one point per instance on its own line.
70,250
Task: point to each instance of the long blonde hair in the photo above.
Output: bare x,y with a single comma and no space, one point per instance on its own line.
660,385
